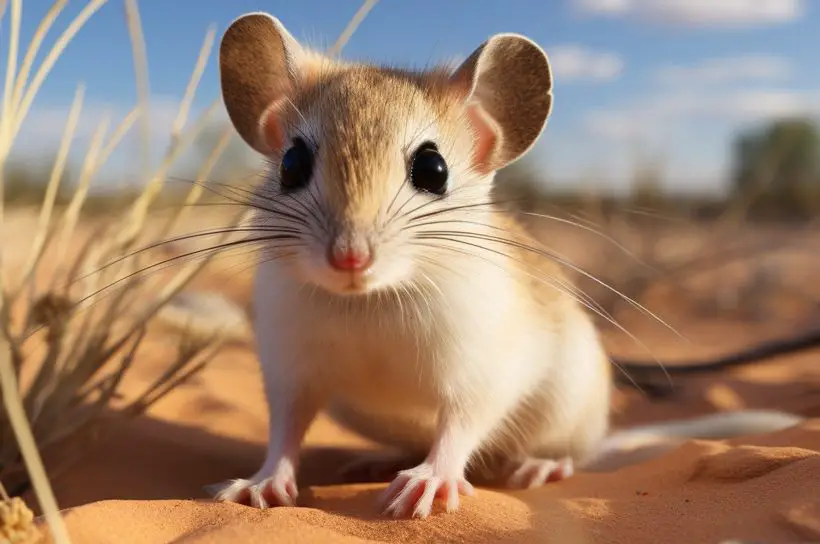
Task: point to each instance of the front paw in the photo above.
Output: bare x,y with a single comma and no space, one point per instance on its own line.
413,491
266,489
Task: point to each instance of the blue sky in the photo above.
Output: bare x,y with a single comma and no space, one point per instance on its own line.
664,80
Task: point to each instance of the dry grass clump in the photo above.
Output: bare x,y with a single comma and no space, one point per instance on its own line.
66,365
16,520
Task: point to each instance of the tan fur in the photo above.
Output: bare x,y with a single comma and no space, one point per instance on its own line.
461,340
363,124
363,130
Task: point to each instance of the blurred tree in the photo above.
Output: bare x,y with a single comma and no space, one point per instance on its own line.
646,190
777,167
26,180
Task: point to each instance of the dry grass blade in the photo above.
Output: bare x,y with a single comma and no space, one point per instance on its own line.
358,17
132,18
91,165
34,48
54,183
11,64
28,447
193,83
197,189
78,360
139,210
6,117
31,90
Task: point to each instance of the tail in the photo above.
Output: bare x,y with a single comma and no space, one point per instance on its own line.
641,443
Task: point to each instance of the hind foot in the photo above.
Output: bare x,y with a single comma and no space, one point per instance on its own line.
534,472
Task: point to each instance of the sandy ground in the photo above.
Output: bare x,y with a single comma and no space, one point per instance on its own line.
144,485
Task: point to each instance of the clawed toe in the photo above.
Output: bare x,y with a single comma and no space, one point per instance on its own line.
413,492
266,493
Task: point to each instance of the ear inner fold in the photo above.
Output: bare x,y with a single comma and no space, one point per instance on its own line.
508,87
256,72
487,134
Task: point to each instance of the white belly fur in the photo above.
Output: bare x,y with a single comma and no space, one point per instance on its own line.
386,368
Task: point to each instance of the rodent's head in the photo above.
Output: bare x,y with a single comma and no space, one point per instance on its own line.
370,165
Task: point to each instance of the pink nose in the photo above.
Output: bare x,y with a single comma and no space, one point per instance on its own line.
349,259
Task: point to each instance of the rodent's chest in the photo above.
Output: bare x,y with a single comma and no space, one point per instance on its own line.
379,357
364,351
379,350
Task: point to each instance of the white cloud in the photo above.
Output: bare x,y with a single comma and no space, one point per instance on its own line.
42,131
615,125
45,124
727,69
663,113
575,63
714,13
604,6
755,105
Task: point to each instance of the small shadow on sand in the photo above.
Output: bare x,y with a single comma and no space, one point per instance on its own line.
150,459
153,459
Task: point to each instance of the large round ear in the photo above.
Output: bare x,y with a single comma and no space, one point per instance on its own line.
507,86
258,69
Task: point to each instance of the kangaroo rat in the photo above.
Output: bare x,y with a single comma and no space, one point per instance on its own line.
397,296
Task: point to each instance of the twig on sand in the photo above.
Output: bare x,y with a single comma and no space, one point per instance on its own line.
648,376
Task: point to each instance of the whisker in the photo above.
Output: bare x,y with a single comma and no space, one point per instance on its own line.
396,215
185,237
473,205
562,260
297,110
567,288
315,198
602,314
309,211
216,248
251,200
441,266
591,229
215,256
255,263
393,201
435,286
433,200
564,287
233,191
497,228
555,255
260,194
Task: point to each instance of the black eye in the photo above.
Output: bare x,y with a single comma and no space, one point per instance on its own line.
428,170
297,166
